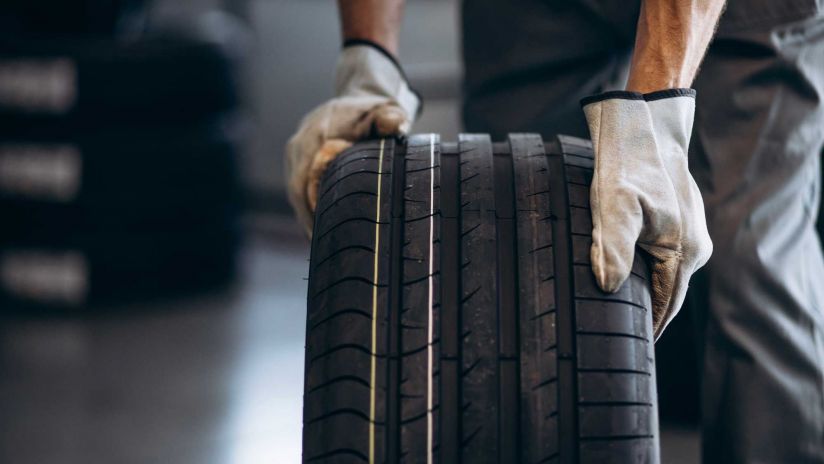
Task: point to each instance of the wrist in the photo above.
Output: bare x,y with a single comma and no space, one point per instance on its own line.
670,41
376,21
648,84
655,69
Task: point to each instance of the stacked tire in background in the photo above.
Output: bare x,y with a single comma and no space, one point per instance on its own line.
117,168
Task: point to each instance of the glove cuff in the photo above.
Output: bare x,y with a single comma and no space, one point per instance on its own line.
366,68
628,95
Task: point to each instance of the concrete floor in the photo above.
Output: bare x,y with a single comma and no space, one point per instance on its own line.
209,379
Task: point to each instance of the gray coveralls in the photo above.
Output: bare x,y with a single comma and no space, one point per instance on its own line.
755,154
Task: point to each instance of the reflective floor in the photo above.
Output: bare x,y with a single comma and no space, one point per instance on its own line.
209,379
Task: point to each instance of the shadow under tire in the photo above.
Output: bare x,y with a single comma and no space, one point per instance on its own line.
453,316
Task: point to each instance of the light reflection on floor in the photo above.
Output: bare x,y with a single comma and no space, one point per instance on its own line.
266,410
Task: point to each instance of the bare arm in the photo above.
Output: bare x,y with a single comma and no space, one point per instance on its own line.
672,38
375,20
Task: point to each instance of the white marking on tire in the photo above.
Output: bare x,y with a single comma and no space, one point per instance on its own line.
430,329
373,353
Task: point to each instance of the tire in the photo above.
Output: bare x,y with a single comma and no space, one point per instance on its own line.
86,271
127,178
453,316
89,84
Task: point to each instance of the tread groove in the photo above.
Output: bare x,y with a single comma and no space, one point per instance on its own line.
342,378
337,412
341,179
450,288
565,316
337,200
341,250
334,349
506,244
338,452
342,312
343,280
612,334
617,437
367,220
610,300
397,262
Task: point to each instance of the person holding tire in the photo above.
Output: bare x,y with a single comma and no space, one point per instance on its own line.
754,158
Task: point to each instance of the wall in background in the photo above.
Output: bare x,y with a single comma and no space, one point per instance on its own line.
293,49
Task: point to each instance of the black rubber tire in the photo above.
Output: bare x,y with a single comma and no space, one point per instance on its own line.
127,265
143,83
132,179
453,316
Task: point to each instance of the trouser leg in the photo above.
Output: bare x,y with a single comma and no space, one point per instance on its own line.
755,155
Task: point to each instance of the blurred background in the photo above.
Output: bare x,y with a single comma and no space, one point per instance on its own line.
152,279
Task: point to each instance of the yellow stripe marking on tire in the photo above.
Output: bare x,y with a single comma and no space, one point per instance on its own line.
373,369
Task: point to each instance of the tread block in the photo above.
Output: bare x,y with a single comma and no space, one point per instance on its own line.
579,175
610,317
615,387
578,195
323,438
479,318
345,395
620,421
597,352
580,221
582,244
421,223
582,161
640,450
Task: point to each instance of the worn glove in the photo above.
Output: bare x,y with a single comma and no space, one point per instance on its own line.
373,99
642,192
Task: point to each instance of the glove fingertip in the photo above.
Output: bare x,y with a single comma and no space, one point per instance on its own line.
608,275
610,282
391,120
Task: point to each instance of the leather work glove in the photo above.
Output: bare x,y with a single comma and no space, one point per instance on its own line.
373,99
642,192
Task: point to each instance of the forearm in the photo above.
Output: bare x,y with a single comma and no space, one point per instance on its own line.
671,40
375,20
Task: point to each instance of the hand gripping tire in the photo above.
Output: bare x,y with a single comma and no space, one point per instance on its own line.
453,316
